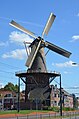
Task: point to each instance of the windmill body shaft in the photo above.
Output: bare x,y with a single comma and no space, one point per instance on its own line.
39,63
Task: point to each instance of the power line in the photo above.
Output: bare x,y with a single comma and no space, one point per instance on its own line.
57,82
9,65
6,72
5,18
8,76
24,22
72,88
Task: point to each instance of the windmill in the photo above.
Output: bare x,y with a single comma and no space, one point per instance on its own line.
36,59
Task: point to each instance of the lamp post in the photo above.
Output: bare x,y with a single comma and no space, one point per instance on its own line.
60,98
75,64
18,95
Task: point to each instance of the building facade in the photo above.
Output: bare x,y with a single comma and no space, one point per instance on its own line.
8,100
67,99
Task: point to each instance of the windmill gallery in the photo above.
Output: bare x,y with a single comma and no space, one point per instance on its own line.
37,79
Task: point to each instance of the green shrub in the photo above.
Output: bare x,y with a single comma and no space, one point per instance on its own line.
55,109
67,109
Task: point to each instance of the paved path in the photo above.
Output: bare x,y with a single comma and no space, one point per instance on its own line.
77,117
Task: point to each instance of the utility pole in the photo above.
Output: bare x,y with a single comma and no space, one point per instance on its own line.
60,98
18,95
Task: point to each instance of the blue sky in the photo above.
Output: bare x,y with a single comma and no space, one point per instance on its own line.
33,16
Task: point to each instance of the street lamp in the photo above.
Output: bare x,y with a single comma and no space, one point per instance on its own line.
18,95
60,98
74,63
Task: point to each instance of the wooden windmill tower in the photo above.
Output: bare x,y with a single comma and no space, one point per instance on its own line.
37,78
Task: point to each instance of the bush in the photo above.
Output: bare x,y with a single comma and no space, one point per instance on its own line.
67,109
55,109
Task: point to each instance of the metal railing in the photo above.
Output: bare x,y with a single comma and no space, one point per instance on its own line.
36,71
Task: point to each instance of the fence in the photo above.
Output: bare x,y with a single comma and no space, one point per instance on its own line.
65,115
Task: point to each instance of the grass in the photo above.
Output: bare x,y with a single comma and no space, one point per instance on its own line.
31,111
21,111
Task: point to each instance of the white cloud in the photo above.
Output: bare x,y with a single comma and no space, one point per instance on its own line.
75,38
66,72
16,54
65,64
19,38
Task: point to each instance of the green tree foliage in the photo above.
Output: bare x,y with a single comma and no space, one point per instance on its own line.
11,87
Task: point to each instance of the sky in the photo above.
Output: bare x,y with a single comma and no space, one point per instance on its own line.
33,15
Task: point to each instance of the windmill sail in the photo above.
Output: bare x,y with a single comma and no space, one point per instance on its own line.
57,49
16,25
33,54
35,45
48,24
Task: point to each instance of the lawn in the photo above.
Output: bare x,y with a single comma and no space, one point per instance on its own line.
11,113
21,111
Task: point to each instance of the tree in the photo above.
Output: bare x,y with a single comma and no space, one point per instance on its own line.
11,87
